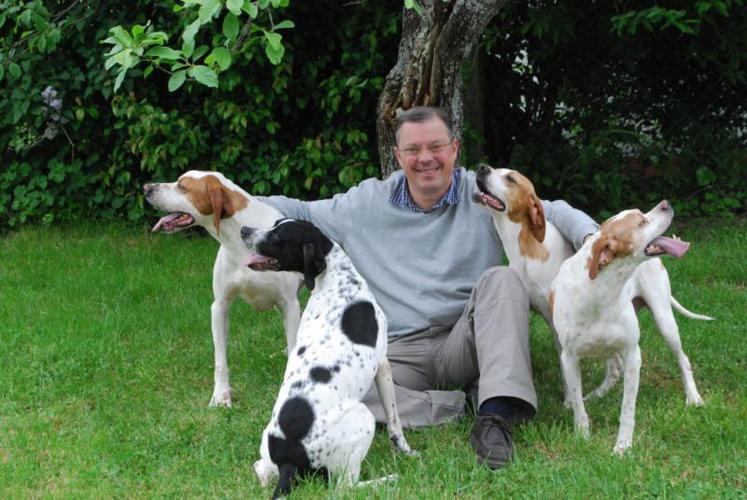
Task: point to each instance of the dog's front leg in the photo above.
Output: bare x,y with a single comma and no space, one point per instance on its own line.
291,319
572,374
632,373
385,387
219,323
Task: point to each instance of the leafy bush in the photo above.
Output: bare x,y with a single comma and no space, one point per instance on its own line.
607,105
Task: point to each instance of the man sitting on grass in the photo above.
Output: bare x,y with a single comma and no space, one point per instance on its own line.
431,257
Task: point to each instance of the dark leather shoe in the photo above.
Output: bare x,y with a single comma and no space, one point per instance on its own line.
492,440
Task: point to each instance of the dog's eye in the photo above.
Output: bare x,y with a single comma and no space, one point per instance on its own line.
643,223
510,178
181,187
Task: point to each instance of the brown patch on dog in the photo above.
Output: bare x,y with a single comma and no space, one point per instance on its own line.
525,208
551,300
616,239
210,196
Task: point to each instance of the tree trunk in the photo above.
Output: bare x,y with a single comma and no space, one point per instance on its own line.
432,52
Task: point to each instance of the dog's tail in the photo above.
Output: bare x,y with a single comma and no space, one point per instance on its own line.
287,474
687,313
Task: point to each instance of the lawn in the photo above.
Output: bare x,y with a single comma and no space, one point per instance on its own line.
106,363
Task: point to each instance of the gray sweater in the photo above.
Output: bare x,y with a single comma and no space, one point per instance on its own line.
420,266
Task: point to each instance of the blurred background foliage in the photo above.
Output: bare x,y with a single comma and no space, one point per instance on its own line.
608,105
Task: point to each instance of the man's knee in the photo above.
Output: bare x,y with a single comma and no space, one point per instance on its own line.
501,282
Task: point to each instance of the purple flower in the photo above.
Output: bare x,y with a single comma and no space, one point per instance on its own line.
48,94
56,104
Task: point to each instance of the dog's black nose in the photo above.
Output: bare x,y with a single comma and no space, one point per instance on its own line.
247,231
483,170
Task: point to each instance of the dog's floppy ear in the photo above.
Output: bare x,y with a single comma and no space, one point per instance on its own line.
601,255
221,202
313,263
536,218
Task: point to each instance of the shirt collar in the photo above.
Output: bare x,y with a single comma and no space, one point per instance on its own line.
401,194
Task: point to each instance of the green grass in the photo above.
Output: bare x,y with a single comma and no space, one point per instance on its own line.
106,365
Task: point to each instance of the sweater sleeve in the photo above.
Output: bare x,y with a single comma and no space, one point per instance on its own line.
572,223
331,215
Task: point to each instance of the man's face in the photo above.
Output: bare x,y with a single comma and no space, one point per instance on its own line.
427,156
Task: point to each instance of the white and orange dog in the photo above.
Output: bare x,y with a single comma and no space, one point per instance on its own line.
592,310
209,200
536,250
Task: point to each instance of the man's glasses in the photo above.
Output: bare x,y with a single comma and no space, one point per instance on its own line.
435,148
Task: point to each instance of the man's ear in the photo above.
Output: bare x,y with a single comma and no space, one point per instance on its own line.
536,218
601,255
313,264
222,204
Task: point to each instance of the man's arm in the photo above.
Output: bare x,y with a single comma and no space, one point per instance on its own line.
332,215
572,223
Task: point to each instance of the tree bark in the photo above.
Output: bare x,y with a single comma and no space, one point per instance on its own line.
432,52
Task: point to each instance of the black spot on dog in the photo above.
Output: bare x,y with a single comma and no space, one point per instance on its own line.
359,323
295,420
301,350
320,374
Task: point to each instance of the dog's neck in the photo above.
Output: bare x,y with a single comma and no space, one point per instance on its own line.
257,214
518,241
610,284
340,273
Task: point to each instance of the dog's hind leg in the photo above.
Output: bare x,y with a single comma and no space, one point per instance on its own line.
612,374
668,327
385,386
348,438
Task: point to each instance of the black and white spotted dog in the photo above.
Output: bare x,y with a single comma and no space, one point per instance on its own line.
318,422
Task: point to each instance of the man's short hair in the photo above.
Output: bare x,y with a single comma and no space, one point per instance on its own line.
420,114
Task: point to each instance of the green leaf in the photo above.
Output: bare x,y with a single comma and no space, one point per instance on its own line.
2,72
274,53
283,25
413,4
231,26
121,35
235,6
190,31
176,80
221,56
250,8
208,10
165,53
120,79
204,75
188,47
14,70
199,52
274,39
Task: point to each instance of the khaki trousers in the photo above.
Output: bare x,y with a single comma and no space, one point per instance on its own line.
489,344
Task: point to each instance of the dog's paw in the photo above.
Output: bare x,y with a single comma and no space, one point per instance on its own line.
621,447
694,400
221,398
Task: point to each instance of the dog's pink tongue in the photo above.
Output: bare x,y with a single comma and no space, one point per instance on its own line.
255,259
676,248
165,220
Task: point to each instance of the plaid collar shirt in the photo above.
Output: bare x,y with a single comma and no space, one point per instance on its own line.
401,195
